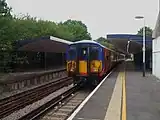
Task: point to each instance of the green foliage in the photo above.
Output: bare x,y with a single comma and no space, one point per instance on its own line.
77,29
5,11
105,42
148,31
15,28
5,42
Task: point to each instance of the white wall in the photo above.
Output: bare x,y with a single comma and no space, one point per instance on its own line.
156,57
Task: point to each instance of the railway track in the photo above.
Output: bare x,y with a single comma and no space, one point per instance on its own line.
66,108
60,107
18,101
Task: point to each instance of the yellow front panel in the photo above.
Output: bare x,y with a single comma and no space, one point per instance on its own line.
68,63
71,66
83,67
96,65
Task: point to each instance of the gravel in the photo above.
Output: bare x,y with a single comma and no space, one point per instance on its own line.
17,114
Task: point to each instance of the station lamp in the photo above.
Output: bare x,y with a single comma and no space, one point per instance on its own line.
144,65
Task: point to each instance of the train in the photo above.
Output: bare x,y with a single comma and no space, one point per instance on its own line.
89,61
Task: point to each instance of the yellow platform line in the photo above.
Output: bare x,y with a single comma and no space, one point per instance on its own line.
114,108
123,96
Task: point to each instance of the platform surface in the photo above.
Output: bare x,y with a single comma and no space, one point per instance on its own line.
123,96
143,95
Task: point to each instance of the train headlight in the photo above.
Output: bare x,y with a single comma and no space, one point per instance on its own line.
95,70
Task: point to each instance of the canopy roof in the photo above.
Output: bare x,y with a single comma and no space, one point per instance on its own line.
43,44
129,43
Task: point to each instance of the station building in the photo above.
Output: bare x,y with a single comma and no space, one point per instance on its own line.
156,49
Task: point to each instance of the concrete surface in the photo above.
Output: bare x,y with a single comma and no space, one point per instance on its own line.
143,95
96,107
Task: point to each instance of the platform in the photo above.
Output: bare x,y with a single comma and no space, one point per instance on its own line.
122,95
14,83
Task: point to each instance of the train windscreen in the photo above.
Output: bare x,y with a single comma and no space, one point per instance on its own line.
72,53
94,52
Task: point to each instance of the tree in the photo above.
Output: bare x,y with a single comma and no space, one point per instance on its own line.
77,28
101,39
13,28
4,9
148,31
105,42
5,15
5,43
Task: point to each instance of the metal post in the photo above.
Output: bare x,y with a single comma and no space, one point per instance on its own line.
45,62
143,48
144,65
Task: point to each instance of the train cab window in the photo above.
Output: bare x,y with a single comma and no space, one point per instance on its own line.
72,53
94,53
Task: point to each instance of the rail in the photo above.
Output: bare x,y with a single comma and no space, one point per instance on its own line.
18,101
40,111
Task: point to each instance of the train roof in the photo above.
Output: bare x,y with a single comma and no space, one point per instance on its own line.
91,42
86,41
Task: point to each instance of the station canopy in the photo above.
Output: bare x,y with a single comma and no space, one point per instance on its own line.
43,44
129,43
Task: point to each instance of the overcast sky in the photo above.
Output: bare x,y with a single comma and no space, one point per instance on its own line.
102,17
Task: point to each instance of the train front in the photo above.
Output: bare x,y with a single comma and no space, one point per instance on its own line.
84,62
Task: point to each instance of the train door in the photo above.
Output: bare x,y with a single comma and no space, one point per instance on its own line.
107,59
112,59
83,59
